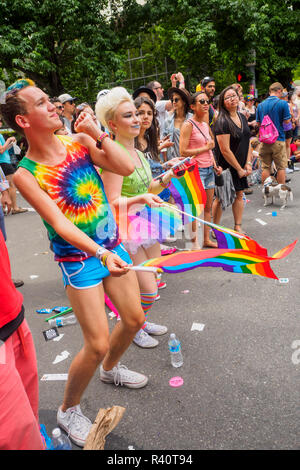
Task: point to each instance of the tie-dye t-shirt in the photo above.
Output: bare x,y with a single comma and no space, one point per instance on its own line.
77,189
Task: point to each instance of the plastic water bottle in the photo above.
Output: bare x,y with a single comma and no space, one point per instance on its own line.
244,199
60,441
63,321
175,351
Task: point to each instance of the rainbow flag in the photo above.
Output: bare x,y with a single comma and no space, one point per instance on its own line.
232,260
188,193
149,223
233,241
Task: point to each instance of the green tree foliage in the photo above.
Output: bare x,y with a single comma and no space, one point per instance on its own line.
63,45
80,46
220,35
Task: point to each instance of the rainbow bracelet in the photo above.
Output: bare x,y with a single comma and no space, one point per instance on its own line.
100,140
104,258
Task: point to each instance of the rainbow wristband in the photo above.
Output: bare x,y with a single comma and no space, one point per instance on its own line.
104,258
100,140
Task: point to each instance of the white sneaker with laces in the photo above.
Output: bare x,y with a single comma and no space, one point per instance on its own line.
76,425
121,375
143,340
154,329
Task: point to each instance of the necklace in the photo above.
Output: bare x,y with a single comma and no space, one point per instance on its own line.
146,182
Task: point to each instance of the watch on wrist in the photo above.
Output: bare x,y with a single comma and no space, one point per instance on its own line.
100,252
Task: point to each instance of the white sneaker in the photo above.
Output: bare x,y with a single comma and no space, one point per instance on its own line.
296,168
156,330
143,340
121,375
157,297
76,425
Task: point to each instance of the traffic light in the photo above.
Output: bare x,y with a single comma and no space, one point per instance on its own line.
241,77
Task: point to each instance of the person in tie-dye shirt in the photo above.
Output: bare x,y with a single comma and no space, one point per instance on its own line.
58,178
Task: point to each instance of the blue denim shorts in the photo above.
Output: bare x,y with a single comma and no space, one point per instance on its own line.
207,176
90,272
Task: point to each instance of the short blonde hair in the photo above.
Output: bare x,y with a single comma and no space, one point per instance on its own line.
107,105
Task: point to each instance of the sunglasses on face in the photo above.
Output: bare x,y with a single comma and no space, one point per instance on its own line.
175,100
203,101
59,107
180,172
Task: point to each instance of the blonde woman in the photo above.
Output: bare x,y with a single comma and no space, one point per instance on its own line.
118,113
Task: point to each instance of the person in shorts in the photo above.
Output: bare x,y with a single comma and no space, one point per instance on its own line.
278,110
58,178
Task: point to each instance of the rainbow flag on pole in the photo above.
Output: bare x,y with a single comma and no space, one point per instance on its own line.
232,260
188,193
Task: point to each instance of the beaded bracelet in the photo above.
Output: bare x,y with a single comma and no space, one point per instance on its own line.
100,139
164,185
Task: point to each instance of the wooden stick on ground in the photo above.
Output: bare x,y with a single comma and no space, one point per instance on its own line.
105,422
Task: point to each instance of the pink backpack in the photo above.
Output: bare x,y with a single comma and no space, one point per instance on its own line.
268,132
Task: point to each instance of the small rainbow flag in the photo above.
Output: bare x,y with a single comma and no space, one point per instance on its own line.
149,223
237,261
188,193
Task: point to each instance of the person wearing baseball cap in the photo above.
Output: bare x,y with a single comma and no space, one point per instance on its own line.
69,109
251,109
208,86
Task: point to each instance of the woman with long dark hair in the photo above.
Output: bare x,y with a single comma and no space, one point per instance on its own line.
148,139
181,100
232,147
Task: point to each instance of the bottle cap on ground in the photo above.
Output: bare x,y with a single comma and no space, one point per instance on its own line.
56,432
176,382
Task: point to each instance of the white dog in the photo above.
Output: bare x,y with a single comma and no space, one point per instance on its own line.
272,189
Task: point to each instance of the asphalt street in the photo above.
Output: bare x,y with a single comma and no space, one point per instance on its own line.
240,371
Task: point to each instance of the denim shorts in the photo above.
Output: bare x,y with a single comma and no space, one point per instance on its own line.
207,176
90,272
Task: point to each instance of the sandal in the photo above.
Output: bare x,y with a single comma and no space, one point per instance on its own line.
239,231
20,210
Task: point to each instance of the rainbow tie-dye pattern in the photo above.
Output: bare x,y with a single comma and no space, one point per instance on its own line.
77,189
